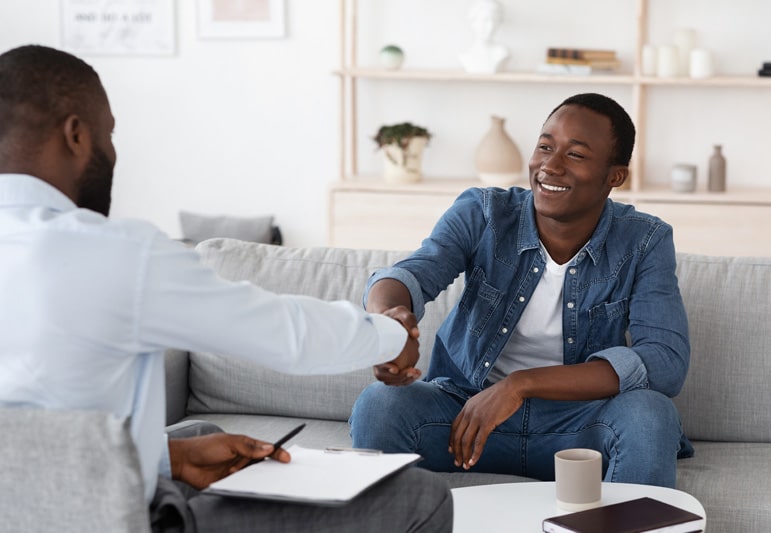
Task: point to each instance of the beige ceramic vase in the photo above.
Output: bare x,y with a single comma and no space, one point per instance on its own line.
498,161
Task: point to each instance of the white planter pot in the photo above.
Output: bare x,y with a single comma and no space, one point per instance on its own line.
404,165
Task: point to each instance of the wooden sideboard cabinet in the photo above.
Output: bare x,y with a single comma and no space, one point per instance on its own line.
377,215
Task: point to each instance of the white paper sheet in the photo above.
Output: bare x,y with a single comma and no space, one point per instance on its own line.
314,476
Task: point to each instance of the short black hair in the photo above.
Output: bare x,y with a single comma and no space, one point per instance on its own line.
620,122
40,87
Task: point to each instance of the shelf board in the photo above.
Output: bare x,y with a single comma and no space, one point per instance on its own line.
737,196
425,186
532,77
716,81
734,196
500,77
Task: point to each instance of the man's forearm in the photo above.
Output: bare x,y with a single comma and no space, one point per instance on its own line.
387,294
586,381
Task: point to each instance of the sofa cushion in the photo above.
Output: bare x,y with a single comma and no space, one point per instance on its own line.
226,385
726,396
733,483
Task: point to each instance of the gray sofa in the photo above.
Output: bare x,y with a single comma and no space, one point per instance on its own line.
725,404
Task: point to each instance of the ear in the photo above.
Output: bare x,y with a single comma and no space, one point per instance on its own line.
77,137
618,175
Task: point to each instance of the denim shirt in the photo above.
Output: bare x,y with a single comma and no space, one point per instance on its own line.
621,301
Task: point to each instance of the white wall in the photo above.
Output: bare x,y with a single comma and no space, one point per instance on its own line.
242,127
250,127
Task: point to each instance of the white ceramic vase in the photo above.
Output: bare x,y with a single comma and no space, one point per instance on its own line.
403,165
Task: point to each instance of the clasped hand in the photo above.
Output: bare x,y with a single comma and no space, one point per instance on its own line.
402,371
200,461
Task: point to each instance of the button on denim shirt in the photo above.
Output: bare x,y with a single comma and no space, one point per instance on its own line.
621,301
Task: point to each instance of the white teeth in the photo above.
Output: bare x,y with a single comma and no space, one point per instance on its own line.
553,188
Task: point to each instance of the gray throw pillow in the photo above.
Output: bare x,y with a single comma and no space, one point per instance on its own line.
198,228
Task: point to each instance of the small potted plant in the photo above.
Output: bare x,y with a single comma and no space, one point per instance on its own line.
403,146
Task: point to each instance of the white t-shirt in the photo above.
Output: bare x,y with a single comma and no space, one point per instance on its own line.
537,338
89,304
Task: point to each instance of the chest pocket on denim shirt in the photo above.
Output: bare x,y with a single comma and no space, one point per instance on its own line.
608,323
479,301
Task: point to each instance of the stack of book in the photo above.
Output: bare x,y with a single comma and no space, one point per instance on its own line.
579,61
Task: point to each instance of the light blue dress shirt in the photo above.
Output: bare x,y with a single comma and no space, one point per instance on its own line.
89,304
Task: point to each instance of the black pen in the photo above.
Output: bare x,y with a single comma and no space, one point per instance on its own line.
280,442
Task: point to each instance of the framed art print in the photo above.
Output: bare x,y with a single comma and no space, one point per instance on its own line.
118,27
241,19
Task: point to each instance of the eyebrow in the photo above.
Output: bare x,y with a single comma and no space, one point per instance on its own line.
550,137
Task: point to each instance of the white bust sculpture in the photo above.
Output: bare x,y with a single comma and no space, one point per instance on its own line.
484,56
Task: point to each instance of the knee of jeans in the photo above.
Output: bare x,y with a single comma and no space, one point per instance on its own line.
647,411
374,400
381,408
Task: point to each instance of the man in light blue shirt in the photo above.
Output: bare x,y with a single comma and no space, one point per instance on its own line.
535,357
89,304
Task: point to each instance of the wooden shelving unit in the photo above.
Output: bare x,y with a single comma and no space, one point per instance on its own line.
656,200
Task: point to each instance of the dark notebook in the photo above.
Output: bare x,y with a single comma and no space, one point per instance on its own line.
633,516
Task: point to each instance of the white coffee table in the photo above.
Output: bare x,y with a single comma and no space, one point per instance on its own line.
522,507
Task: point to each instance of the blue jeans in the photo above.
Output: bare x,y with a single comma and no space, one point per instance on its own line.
638,432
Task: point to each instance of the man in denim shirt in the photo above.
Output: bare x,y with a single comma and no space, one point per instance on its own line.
571,330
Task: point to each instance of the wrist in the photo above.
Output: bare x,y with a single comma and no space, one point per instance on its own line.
176,454
520,384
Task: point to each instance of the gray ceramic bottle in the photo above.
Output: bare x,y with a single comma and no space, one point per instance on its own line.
716,181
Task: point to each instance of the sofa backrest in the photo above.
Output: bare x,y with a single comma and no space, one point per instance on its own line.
727,395
237,386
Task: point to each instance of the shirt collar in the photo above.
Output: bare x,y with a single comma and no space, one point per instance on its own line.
596,245
18,190
528,233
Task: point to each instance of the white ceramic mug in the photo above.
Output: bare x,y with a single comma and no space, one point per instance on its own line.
578,477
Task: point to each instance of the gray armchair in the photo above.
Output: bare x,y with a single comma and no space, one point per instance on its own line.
69,471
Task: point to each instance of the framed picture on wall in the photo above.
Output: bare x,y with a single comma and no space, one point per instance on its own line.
118,27
241,19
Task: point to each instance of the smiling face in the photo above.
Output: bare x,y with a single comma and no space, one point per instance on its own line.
570,171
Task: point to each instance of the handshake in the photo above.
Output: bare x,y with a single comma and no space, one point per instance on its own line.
402,371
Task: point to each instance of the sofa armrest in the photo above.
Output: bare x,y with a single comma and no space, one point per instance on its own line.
177,363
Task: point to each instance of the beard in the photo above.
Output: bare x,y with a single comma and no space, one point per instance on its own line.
95,184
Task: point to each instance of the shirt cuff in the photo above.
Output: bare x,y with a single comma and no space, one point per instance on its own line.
409,281
164,465
392,336
631,371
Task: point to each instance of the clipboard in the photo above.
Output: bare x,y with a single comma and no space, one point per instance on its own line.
331,477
